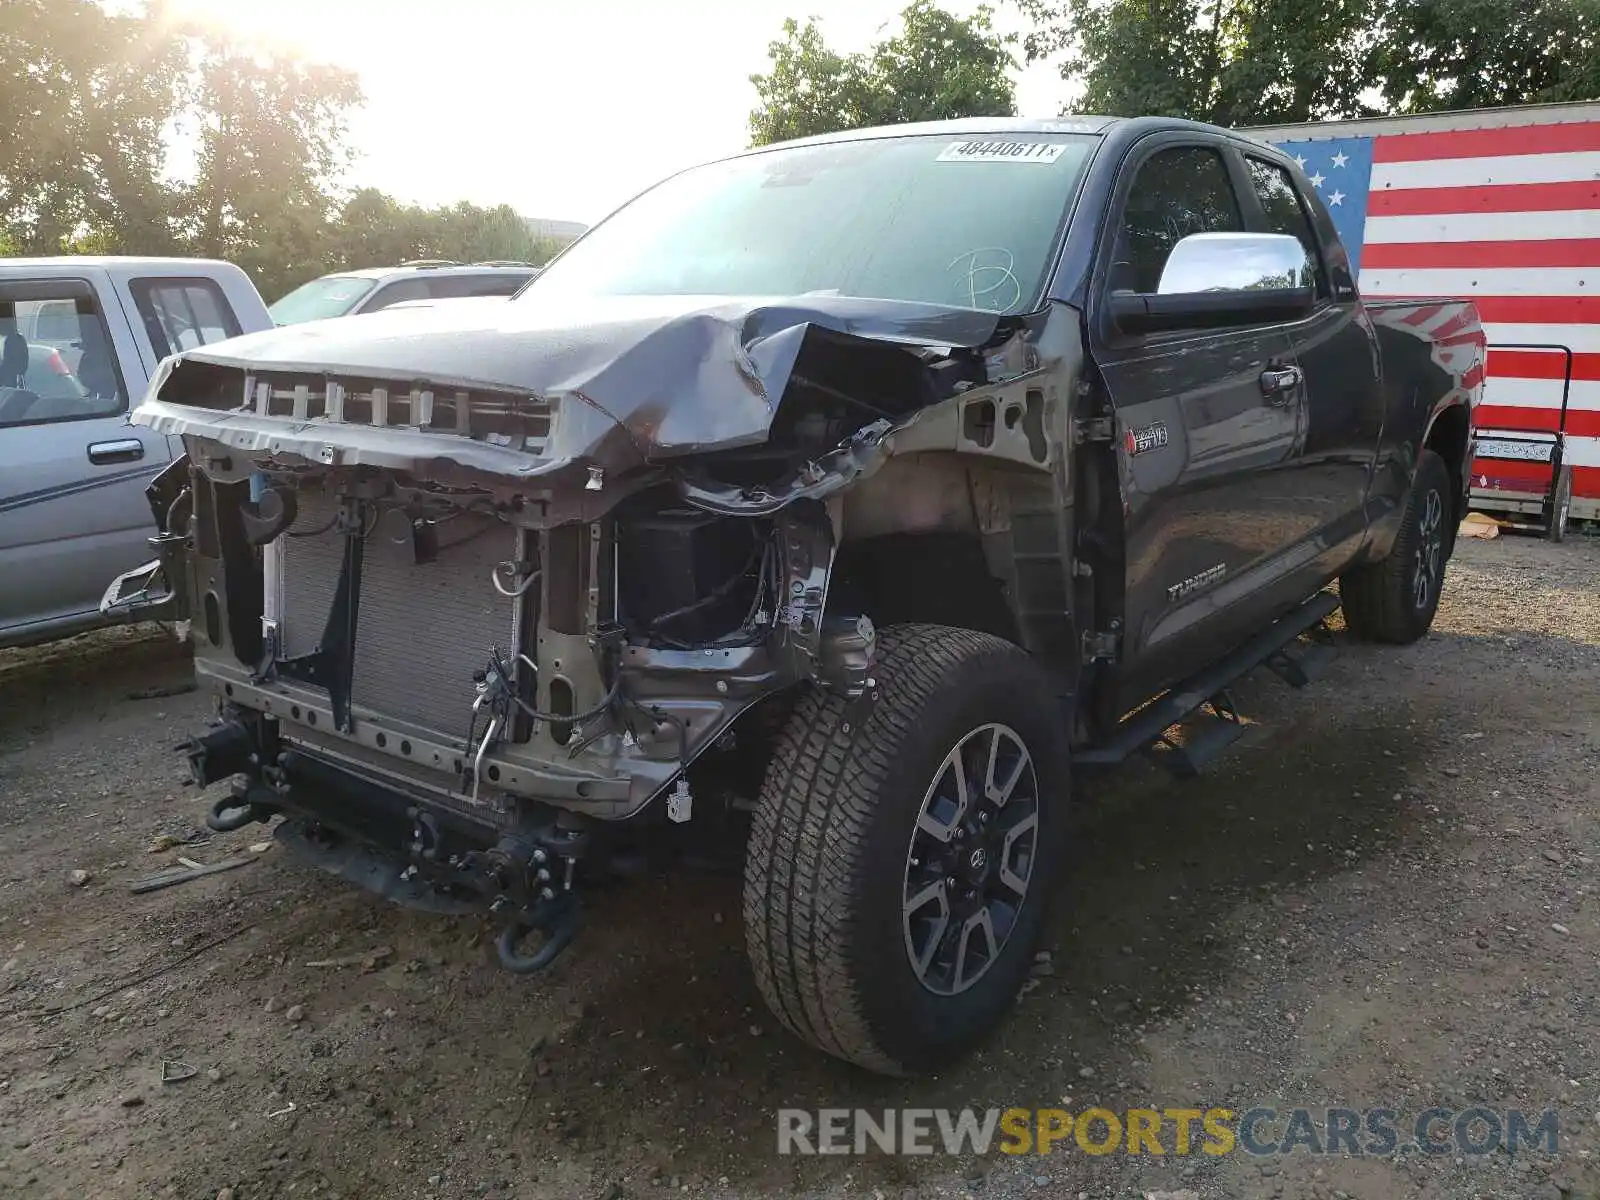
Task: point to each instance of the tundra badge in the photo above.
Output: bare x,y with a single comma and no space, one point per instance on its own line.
1195,582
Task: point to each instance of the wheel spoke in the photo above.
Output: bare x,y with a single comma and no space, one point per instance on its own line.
978,924
963,796
995,790
1016,880
928,821
935,892
930,826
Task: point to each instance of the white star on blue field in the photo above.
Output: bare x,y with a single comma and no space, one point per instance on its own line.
1340,169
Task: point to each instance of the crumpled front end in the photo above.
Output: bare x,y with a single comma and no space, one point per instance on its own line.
467,620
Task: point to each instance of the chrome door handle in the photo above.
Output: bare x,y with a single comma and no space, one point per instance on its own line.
1280,379
122,450
1278,384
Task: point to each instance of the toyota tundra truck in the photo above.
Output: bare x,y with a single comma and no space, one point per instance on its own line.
858,493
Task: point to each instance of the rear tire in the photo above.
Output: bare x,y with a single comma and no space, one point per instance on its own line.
1560,505
859,940
1395,599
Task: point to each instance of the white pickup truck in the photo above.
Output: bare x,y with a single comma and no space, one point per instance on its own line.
79,338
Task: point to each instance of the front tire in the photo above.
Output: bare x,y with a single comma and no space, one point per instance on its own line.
1395,599
899,863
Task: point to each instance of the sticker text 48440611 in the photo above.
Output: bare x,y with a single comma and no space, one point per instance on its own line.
988,150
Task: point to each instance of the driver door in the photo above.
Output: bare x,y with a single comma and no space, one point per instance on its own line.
1209,422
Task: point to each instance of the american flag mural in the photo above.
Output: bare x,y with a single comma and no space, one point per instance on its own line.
1507,216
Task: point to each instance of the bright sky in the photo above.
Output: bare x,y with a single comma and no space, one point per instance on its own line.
562,108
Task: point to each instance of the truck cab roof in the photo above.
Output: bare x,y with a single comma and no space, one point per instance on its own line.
434,268
1131,127
119,266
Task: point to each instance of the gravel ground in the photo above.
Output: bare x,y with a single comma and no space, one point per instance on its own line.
1384,897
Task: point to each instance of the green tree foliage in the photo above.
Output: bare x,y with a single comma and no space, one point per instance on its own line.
375,230
1232,62
1435,55
1249,62
85,95
270,133
937,66
90,95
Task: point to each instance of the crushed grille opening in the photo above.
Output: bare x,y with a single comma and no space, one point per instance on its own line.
511,418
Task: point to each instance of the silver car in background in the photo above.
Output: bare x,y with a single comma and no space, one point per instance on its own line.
373,289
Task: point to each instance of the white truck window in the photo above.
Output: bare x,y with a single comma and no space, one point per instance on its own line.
56,360
183,314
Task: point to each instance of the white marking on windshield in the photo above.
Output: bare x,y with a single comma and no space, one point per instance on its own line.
1001,151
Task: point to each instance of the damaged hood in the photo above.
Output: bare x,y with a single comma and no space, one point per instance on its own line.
676,374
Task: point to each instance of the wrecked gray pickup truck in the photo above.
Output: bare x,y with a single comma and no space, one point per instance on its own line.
844,494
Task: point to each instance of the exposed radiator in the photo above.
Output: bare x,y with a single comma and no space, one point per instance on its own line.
421,629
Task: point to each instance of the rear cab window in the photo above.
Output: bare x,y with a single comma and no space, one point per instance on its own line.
1285,210
56,356
183,314
1175,192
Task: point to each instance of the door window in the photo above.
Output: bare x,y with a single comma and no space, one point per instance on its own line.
183,314
501,283
56,360
1285,211
395,293
1175,193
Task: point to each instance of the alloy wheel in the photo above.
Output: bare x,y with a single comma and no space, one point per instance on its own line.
971,859
1429,567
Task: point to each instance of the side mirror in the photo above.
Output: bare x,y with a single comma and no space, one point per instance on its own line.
1216,280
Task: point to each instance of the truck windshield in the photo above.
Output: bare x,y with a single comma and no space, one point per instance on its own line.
965,221
330,296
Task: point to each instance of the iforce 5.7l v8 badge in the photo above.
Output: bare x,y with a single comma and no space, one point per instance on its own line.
1146,437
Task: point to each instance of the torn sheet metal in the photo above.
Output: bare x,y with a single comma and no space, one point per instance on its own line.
539,390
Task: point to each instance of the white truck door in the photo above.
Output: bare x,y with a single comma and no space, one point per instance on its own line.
72,469
80,344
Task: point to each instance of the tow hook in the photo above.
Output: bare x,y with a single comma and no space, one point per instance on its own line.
525,867
236,810
556,918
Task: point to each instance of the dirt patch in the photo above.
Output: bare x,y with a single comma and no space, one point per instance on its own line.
1358,907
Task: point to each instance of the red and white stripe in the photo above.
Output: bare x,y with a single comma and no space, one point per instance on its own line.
1508,217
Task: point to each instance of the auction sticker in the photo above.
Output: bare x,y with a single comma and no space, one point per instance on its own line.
1000,151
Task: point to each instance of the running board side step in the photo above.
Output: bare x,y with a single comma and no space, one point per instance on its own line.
1203,700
